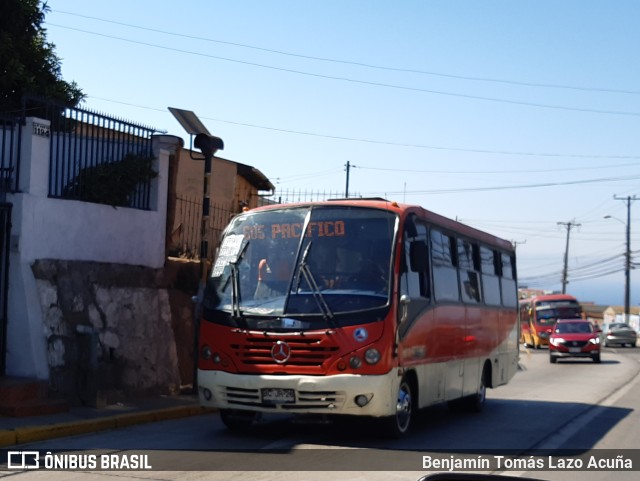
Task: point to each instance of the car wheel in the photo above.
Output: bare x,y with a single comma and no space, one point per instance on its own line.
596,358
399,424
237,419
552,359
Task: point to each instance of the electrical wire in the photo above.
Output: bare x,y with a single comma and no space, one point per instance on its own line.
356,81
355,63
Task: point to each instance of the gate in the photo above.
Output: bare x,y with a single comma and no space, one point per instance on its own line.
5,237
10,134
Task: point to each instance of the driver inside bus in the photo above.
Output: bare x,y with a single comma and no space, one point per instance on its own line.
274,275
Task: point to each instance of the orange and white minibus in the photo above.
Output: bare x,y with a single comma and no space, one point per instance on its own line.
538,316
355,307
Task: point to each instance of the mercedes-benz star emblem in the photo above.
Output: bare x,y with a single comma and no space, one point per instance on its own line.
280,352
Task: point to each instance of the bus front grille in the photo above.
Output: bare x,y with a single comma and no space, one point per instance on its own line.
307,351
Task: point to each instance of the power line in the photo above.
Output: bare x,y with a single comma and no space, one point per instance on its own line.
510,187
383,142
359,64
502,171
356,81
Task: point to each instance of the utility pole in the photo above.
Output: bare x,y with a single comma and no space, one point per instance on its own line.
346,189
627,258
568,226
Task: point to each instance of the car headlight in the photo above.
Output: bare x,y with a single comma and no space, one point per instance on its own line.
557,341
594,340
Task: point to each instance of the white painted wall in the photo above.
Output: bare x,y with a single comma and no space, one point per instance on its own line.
44,228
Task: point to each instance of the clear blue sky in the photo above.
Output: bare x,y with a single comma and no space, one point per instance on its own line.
512,116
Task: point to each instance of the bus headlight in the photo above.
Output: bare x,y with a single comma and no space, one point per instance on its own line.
372,356
205,353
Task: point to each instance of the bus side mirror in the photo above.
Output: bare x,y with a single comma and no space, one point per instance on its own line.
418,256
405,300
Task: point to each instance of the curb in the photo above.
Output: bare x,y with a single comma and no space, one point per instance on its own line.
52,431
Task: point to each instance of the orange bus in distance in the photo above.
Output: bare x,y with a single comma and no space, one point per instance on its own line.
359,307
538,316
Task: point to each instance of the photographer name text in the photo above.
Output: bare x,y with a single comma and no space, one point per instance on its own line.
508,463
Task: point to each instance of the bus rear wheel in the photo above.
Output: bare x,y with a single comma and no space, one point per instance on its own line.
237,419
475,403
399,424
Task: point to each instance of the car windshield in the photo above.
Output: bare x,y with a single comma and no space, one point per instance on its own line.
618,325
573,328
297,268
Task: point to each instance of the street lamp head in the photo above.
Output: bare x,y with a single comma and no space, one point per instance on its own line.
614,218
208,144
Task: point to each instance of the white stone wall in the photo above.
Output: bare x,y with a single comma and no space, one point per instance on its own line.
45,228
135,350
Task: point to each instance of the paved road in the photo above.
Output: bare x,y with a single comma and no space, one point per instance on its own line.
575,405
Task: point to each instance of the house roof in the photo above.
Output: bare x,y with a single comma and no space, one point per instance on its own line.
255,177
635,310
593,310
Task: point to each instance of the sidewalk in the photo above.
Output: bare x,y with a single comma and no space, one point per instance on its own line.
81,420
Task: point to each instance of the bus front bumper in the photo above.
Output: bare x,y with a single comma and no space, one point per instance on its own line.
345,394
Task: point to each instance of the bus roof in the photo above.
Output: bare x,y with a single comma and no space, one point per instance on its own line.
403,210
549,297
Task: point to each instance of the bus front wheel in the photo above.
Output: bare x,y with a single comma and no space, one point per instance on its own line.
398,425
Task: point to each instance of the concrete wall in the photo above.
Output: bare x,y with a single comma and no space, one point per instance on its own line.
65,230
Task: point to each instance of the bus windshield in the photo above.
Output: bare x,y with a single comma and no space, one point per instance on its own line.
301,267
548,312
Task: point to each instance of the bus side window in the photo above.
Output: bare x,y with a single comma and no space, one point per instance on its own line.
445,273
415,285
415,277
468,264
490,280
508,281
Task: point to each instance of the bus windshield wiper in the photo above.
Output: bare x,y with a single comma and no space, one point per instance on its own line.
235,287
305,271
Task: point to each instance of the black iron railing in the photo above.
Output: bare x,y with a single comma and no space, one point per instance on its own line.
87,147
185,234
9,154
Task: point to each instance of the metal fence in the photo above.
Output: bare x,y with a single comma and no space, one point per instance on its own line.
185,236
289,196
9,154
83,143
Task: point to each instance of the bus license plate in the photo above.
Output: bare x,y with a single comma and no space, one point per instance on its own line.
278,396
574,349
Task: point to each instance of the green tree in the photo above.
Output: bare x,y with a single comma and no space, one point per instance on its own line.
28,63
